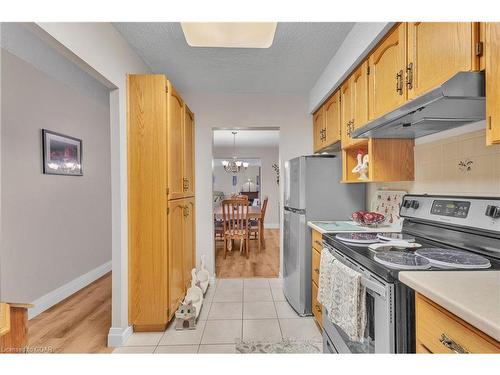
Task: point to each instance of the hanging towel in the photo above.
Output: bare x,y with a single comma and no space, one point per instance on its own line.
325,278
348,301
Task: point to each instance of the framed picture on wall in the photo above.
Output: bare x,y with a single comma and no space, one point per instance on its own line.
62,154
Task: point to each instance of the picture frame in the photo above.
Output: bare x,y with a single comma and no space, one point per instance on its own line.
62,154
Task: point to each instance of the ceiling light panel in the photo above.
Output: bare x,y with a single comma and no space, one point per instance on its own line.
229,34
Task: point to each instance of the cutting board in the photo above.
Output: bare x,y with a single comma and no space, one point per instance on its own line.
338,226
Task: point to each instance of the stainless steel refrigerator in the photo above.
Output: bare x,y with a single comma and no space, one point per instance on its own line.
313,191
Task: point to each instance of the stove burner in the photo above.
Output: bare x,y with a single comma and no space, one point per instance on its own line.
395,236
357,238
402,260
451,258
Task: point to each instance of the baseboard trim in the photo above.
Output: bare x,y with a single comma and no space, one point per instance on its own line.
272,225
57,295
117,336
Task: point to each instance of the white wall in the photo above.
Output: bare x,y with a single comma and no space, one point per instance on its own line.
289,113
269,187
100,49
360,40
55,228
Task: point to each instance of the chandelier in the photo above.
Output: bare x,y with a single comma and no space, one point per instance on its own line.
234,165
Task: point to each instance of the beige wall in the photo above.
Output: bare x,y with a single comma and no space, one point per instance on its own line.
437,169
54,228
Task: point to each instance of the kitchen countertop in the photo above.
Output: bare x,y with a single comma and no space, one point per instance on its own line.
473,296
338,226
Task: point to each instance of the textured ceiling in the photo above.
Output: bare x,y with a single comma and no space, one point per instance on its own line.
247,138
300,52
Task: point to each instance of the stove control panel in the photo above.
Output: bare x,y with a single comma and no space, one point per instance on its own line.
472,212
450,208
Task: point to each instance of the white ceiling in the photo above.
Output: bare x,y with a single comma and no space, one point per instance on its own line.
247,138
300,52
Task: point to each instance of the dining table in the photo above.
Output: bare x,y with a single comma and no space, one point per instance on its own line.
254,213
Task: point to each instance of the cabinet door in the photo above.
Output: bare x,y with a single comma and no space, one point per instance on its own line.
318,129
437,51
492,72
175,111
189,240
387,62
175,253
332,119
346,113
147,199
188,179
359,87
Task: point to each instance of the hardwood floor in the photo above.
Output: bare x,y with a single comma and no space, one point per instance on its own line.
263,264
79,324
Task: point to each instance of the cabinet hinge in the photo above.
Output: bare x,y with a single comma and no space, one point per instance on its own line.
479,48
168,191
166,89
368,70
168,210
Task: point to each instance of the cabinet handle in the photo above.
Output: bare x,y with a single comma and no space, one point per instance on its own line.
399,82
489,122
185,184
318,308
316,270
409,76
318,243
452,345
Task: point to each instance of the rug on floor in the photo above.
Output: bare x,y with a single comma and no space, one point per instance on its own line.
283,346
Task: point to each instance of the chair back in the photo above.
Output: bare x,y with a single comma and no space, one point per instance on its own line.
235,215
264,207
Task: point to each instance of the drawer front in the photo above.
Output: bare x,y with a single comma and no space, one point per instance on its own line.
316,256
316,240
316,306
435,325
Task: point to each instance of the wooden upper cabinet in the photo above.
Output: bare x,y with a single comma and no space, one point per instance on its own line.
189,239
147,199
188,153
176,270
492,71
386,80
437,51
346,113
359,97
333,119
175,112
318,129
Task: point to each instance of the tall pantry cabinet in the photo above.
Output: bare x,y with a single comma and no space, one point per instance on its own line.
160,200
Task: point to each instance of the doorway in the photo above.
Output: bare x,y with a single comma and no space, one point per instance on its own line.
245,162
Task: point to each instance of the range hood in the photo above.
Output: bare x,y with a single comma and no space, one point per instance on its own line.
458,101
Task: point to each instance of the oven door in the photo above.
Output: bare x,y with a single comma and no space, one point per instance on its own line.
379,330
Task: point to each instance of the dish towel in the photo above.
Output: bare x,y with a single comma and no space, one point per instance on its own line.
347,308
325,279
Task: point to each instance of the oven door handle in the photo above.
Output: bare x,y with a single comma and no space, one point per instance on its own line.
373,286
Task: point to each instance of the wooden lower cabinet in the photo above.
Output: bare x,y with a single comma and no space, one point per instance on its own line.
439,331
189,238
316,306
316,247
176,283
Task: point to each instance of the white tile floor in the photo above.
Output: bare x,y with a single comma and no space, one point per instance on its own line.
234,309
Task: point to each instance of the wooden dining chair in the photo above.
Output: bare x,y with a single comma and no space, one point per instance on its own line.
235,221
256,227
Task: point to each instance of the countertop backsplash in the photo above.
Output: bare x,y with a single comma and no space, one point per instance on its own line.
454,165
